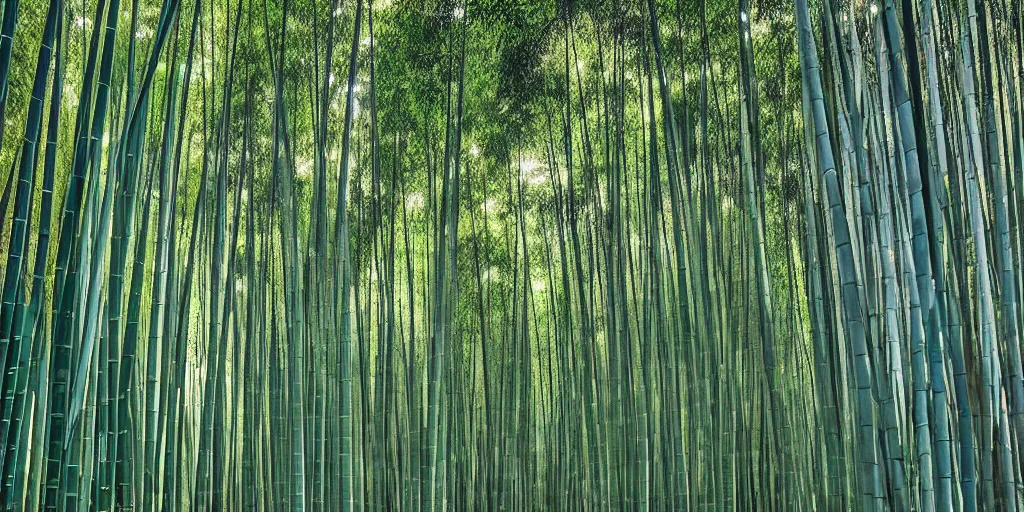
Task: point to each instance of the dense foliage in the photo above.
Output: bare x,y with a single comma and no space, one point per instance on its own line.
511,255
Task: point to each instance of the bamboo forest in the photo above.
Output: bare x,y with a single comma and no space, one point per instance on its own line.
511,255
